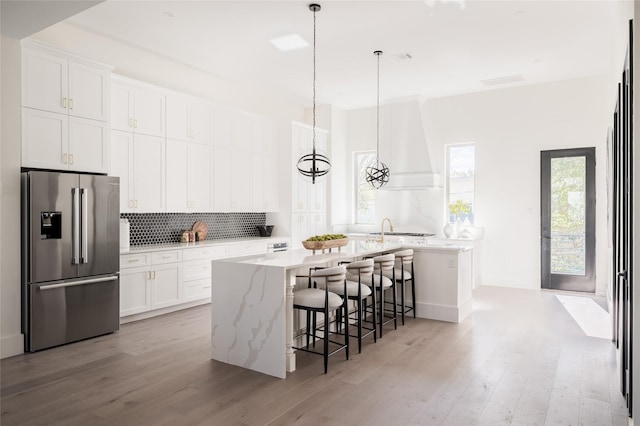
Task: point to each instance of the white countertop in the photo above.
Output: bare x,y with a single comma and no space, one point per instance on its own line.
179,245
301,257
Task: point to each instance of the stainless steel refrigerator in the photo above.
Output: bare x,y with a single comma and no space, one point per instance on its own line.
70,257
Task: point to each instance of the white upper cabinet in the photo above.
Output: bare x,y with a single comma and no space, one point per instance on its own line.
139,161
137,107
189,118
65,111
189,183
55,82
233,129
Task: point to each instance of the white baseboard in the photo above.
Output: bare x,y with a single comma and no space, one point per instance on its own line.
12,345
443,312
162,311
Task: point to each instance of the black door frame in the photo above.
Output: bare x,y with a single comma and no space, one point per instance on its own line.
585,283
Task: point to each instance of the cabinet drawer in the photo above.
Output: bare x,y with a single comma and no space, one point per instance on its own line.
134,260
200,289
197,270
209,252
244,249
166,256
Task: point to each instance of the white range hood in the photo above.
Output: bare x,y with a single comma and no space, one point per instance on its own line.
413,181
406,149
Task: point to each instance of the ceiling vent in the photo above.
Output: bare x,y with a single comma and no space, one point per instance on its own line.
402,56
503,80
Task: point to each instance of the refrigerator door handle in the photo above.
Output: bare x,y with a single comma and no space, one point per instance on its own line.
74,283
83,220
75,220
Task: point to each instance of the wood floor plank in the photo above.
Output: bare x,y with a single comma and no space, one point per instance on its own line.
518,359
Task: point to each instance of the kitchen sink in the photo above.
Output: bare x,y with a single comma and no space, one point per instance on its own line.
405,234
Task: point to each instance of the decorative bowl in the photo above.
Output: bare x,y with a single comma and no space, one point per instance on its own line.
324,245
265,230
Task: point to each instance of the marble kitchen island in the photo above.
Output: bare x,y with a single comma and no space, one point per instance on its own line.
252,321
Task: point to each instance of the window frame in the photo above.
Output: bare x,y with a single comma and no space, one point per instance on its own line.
448,148
356,184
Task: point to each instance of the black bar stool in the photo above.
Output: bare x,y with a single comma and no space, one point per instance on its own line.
318,298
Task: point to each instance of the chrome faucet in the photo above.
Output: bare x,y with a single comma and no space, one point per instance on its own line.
382,228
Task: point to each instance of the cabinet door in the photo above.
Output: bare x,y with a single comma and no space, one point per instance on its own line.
317,224
264,140
222,179
299,229
241,177
177,116
44,81
44,139
166,285
200,194
135,291
121,166
149,111
88,91
148,174
177,172
88,145
121,106
271,184
265,183
223,127
201,122
242,131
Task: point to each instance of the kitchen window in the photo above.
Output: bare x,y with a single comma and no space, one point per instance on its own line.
460,182
365,194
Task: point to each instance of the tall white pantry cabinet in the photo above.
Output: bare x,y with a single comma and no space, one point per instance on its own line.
308,200
65,111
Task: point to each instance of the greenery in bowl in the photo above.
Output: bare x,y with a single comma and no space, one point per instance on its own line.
327,237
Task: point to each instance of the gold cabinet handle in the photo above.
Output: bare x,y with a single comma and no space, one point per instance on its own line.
64,102
64,158
70,158
135,123
131,123
70,103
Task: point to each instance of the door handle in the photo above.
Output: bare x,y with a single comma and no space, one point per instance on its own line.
623,274
75,221
84,194
75,283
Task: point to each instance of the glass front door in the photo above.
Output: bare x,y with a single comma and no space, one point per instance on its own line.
568,219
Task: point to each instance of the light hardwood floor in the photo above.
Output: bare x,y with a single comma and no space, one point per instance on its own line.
520,359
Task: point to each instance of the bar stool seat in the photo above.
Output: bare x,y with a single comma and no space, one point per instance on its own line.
383,265
403,275
386,281
358,292
317,298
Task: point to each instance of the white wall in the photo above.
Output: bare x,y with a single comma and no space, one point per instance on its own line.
510,127
11,339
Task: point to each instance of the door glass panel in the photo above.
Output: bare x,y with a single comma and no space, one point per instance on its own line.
568,214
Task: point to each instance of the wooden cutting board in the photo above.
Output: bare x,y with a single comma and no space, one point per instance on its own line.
202,227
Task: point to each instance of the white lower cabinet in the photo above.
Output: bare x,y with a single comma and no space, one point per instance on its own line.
197,280
135,291
166,285
150,281
157,282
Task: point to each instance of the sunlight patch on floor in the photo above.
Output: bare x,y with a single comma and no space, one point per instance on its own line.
590,316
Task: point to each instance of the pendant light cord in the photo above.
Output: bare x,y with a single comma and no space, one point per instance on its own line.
378,116
314,82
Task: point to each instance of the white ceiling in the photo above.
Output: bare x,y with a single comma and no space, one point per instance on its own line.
454,46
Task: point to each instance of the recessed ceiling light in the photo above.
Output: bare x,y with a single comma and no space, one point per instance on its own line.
169,14
289,42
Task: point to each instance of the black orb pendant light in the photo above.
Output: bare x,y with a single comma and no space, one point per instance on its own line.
314,165
378,174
